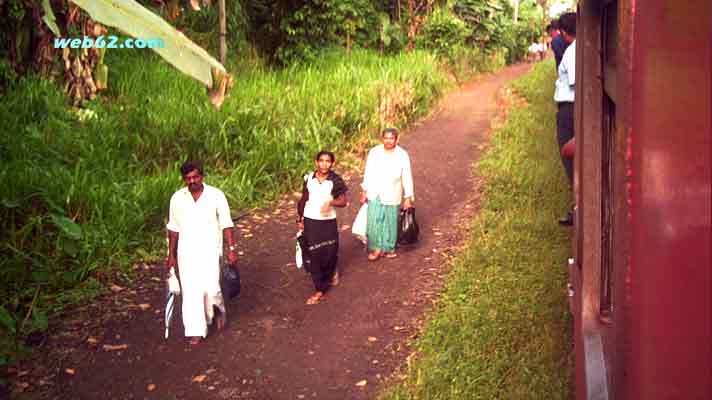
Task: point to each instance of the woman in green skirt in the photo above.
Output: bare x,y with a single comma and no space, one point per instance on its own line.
387,181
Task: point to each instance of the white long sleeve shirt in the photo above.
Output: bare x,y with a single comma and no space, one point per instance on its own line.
388,175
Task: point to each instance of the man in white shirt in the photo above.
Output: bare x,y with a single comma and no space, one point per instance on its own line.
199,219
387,181
564,96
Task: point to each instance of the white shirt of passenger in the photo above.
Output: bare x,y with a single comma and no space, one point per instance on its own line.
565,89
319,193
388,175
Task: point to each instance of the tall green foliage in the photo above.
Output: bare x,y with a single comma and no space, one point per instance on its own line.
444,33
492,26
324,23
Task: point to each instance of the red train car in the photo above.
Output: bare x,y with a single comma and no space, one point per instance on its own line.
641,281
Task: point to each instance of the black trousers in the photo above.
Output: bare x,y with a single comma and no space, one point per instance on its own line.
322,237
564,133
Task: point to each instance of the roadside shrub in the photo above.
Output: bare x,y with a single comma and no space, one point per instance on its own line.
444,34
325,23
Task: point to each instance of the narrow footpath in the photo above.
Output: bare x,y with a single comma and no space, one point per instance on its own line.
274,346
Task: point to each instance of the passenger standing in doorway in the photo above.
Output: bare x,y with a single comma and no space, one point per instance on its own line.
564,97
387,181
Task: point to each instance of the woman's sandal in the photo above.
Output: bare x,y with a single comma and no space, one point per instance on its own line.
221,320
195,340
335,279
391,254
315,298
373,256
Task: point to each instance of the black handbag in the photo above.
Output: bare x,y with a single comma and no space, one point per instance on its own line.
407,227
230,281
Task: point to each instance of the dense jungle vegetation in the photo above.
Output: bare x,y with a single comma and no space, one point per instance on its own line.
92,140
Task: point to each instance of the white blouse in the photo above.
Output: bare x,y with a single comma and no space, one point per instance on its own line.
319,193
388,175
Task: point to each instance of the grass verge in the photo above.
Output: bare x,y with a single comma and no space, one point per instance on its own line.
501,329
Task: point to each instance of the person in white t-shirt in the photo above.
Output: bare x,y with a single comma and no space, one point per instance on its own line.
323,190
387,181
198,222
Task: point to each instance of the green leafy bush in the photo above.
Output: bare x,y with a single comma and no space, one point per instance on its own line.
321,24
443,33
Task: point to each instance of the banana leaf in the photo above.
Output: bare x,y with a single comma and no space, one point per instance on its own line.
49,18
135,20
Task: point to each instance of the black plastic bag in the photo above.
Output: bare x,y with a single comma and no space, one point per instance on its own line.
407,227
230,281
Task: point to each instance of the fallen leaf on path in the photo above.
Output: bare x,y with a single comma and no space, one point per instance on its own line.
114,347
151,387
116,288
361,383
70,371
144,306
372,339
398,328
199,378
437,233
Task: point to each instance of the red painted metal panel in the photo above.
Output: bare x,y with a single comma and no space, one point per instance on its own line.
671,202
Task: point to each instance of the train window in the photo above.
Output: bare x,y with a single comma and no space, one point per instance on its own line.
609,39
609,42
607,208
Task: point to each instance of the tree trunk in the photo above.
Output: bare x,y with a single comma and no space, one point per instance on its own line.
223,32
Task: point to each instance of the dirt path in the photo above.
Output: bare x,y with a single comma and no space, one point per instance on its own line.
275,347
